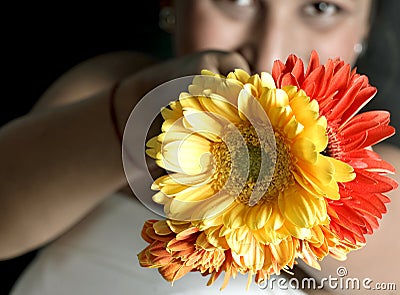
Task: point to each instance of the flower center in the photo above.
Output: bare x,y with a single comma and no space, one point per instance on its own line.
254,166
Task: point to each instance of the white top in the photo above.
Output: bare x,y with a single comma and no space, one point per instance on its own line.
98,256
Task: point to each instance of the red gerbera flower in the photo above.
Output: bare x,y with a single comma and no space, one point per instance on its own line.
341,93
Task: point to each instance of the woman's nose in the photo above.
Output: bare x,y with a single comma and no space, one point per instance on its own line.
271,37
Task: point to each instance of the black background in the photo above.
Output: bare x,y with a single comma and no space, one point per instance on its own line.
39,43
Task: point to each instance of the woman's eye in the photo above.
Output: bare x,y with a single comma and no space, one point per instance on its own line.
321,8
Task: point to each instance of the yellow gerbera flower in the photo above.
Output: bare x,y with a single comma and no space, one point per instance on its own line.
245,167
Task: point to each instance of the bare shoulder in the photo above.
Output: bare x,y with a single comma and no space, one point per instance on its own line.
389,153
92,76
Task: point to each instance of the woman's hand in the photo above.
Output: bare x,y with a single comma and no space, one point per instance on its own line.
136,86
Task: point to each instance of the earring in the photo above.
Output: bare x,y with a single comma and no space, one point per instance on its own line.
167,19
360,48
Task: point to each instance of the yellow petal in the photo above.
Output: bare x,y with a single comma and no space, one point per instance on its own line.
189,102
290,90
160,198
238,240
256,82
214,238
306,112
172,190
203,243
152,153
343,172
301,208
298,232
182,135
254,257
234,217
278,117
201,122
317,236
221,108
309,257
152,142
292,128
275,221
316,134
267,80
281,98
242,75
321,176
173,111
178,226
270,98
183,179
267,235
211,209
283,252
250,108
305,149
257,216
191,156
162,228
195,193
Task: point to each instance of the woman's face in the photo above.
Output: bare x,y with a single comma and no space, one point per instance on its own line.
265,30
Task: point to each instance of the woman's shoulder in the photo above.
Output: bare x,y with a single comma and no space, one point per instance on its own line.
92,76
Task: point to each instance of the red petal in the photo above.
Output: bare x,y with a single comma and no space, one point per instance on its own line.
298,71
289,79
378,165
290,62
158,249
345,101
313,81
363,97
179,245
369,182
370,128
353,129
277,71
367,208
372,221
340,79
383,117
349,213
313,63
378,134
186,233
352,142
328,75
336,229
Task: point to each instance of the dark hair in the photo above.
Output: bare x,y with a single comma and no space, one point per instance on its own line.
381,60
374,12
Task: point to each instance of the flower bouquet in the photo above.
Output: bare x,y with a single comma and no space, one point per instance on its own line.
267,169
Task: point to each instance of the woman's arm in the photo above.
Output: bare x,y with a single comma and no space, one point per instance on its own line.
63,158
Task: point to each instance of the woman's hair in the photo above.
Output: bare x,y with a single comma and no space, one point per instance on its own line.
375,8
381,60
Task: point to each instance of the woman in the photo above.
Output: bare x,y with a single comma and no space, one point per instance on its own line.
69,132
